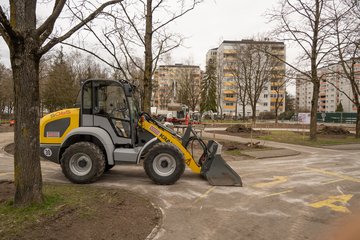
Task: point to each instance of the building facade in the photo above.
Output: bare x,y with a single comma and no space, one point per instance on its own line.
334,89
273,92
176,86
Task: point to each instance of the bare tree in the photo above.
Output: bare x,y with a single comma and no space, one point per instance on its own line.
306,23
189,86
28,42
236,70
257,68
140,25
279,91
346,32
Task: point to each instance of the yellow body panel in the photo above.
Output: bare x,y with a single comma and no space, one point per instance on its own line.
165,136
72,113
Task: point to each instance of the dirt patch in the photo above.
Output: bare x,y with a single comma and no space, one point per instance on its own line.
10,148
96,214
7,190
6,128
231,146
333,130
239,128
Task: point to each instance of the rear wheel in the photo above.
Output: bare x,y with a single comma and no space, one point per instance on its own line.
83,162
164,163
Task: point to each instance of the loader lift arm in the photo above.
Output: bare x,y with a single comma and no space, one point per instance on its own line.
211,165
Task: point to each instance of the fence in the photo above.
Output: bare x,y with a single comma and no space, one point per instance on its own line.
338,117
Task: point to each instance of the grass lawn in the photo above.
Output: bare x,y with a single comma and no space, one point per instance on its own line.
303,138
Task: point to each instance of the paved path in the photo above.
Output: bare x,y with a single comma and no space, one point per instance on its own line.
296,197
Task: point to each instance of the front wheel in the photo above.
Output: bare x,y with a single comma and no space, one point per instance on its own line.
164,164
83,162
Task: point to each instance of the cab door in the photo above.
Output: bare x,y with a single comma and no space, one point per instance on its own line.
111,110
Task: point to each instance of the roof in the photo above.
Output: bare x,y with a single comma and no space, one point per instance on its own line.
248,41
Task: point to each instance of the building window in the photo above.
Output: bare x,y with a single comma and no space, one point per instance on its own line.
265,104
229,104
265,96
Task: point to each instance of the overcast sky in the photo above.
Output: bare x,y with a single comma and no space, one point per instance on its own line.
209,24
217,20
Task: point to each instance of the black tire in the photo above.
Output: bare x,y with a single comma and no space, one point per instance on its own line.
164,164
108,167
83,162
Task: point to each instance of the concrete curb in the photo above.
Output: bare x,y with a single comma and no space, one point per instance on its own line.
354,146
271,153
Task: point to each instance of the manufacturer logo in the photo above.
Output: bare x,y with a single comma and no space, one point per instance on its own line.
48,152
154,130
60,113
52,134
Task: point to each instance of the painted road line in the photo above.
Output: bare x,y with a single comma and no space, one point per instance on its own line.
277,180
329,173
279,193
204,195
333,181
5,174
330,203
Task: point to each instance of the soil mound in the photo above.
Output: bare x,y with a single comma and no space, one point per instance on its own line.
239,128
333,130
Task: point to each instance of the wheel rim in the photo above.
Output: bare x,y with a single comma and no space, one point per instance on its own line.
80,164
164,164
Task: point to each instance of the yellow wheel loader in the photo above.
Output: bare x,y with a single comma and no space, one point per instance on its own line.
106,129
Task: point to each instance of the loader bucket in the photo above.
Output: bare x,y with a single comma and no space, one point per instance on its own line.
216,170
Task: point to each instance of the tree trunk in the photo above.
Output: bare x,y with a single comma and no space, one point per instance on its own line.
146,102
243,111
236,108
314,109
27,169
253,107
276,115
357,127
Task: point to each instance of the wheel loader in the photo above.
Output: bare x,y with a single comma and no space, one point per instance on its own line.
106,129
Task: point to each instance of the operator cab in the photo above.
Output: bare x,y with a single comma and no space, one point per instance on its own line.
108,104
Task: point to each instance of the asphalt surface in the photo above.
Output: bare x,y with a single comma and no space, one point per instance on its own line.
295,197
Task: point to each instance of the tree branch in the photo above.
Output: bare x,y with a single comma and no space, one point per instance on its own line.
176,16
93,15
6,31
47,27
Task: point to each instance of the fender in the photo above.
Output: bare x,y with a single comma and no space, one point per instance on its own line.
98,133
148,144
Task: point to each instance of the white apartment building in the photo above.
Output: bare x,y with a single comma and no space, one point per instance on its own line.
225,54
333,90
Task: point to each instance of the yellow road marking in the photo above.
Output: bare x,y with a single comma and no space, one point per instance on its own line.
248,174
204,195
330,203
279,193
277,180
329,173
332,181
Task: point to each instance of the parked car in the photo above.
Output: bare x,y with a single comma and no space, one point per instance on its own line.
12,122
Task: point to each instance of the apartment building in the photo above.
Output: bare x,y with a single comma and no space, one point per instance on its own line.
175,86
273,93
334,89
